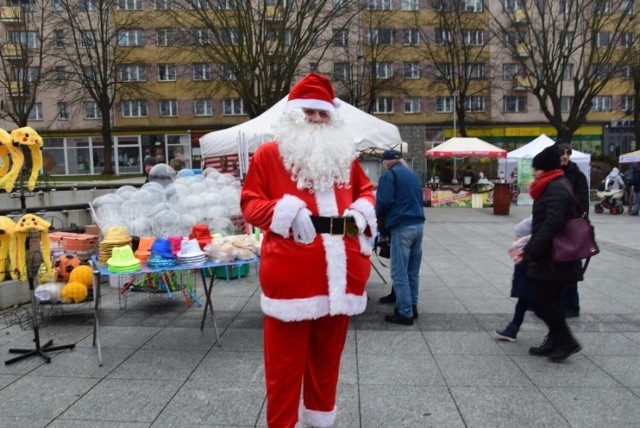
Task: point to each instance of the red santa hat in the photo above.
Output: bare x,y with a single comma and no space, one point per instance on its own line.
313,91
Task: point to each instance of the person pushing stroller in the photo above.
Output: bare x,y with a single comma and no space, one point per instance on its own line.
611,191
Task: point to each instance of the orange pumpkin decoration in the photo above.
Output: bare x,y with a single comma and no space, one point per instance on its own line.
82,274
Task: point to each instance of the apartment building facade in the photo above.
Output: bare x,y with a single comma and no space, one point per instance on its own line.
175,96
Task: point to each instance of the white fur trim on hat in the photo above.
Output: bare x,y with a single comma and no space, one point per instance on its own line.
313,104
317,418
284,213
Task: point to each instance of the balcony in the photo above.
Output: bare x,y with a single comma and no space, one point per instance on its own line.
520,16
521,83
10,14
17,89
11,51
522,50
273,13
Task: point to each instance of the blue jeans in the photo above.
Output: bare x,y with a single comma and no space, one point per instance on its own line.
406,257
637,204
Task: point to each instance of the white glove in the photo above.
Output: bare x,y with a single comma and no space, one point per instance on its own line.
302,227
361,222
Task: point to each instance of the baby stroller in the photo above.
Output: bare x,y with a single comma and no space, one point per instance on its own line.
611,199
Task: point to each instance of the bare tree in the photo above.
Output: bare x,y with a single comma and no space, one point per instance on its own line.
98,40
24,50
457,44
366,62
569,51
258,47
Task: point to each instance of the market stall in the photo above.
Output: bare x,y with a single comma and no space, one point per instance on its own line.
630,157
452,194
237,143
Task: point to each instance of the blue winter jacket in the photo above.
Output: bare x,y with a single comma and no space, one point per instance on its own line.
399,198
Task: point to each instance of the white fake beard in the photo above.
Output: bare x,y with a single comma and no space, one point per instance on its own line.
318,156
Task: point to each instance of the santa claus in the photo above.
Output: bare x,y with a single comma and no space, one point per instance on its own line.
308,193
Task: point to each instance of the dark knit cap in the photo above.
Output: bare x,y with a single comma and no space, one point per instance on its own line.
547,160
150,160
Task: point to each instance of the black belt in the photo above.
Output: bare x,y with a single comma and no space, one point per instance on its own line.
335,225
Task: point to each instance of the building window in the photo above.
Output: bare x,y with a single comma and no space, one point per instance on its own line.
202,72
88,38
383,105
167,72
133,73
473,37
412,105
511,71
165,36
627,104
474,103
567,73
409,5
227,72
474,71
565,104
410,37
442,71
602,39
169,108
380,4
61,75
444,104
232,107
601,103
443,36
63,111
229,4
600,71
411,70
130,4
628,7
36,112
164,4
472,5
233,36
87,5
29,75
514,104
91,111
202,107
58,36
602,7
381,36
628,39
26,39
131,37
340,71
313,67
200,36
58,5
626,71
134,108
198,4
384,70
340,37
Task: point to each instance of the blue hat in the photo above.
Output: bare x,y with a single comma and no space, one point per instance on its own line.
162,247
391,155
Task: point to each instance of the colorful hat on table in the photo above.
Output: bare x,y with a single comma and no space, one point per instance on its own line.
144,248
202,234
190,252
116,236
162,247
175,241
123,260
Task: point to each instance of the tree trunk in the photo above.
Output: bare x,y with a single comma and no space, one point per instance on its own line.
108,144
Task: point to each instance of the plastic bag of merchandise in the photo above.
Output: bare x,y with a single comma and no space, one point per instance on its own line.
49,292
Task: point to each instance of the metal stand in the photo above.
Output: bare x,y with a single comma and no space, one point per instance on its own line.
33,264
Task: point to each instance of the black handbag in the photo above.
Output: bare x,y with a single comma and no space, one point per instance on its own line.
382,246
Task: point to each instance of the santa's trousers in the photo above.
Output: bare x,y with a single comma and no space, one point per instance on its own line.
303,352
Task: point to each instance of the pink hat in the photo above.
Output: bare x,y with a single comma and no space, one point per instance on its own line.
313,91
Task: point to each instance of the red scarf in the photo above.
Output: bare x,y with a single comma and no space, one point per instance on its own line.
539,185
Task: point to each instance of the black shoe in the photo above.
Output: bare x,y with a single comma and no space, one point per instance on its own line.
415,312
396,318
562,352
389,298
570,313
546,347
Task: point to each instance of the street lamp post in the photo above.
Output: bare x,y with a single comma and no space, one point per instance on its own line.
455,110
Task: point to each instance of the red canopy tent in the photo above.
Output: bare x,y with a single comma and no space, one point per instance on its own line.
463,147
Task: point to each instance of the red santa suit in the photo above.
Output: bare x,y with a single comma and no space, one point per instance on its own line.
308,290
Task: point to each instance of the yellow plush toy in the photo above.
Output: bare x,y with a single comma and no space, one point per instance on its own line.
82,274
17,160
75,292
26,224
5,140
27,136
7,246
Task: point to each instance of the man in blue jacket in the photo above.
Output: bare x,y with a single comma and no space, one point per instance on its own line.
399,202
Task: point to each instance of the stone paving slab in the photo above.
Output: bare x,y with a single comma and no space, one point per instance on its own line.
161,370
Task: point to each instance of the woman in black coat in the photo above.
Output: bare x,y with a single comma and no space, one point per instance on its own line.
554,203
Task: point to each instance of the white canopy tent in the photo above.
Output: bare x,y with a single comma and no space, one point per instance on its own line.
630,157
528,151
368,132
464,147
